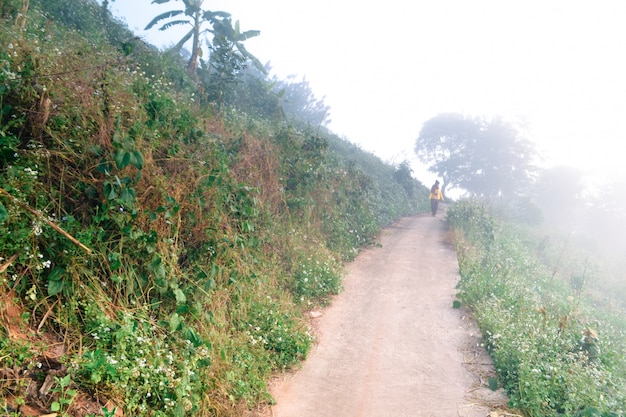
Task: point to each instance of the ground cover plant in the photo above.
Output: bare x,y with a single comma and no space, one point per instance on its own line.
558,344
158,250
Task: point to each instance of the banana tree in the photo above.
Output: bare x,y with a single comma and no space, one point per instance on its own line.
228,58
194,16
227,45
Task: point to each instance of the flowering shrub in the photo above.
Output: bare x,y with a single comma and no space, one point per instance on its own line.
316,277
276,331
151,368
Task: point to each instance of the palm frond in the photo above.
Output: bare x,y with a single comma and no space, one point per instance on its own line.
248,34
174,23
162,16
184,40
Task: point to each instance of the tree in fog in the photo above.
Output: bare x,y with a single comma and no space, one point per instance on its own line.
299,102
404,176
484,157
197,19
254,94
229,57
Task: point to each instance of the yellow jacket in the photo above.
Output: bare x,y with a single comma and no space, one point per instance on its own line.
436,195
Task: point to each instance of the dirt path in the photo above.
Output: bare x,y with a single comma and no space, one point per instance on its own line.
391,345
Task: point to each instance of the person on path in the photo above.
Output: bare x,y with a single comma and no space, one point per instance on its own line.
435,196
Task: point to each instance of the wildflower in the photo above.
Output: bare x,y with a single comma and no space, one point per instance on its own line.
32,293
37,229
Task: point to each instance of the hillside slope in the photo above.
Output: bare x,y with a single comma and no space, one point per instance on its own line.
158,250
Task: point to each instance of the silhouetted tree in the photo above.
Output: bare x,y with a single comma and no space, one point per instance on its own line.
484,157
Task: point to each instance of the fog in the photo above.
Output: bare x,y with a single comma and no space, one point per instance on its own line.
557,68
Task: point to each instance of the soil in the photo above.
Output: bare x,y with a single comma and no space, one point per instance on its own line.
392,344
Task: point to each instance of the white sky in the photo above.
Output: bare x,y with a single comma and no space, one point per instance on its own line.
385,68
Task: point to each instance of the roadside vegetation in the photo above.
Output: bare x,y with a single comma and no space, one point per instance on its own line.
552,313
163,233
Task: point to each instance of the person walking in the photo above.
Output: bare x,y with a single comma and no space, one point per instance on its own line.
435,196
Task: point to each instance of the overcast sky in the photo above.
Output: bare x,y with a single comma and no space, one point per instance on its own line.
385,68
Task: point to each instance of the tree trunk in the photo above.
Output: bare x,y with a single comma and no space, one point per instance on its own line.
192,67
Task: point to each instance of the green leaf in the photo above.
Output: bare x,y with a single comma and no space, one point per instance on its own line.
3,213
109,191
191,335
156,262
136,159
54,287
55,406
55,281
122,158
128,195
175,322
56,274
115,261
180,296
65,381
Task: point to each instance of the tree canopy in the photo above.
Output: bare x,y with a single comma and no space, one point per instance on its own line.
486,157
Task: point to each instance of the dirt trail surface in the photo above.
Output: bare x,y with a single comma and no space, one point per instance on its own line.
391,344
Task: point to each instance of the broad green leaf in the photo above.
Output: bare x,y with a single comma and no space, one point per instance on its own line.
136,159
180,296
128,196
54,287
55,281
56,274
109,191
122,158
175,322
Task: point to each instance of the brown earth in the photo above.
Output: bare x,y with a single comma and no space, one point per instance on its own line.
391,344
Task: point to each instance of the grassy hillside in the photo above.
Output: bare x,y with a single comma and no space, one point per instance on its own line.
158,250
